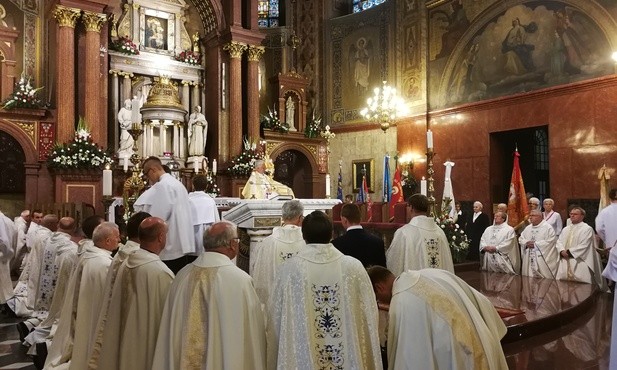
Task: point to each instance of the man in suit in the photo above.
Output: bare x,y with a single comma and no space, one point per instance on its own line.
356,242
460,216
475,228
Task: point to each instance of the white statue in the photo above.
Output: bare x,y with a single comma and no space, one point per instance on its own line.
197,132
290,113
125,147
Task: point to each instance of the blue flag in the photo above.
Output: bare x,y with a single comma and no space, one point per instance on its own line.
386,179
339,190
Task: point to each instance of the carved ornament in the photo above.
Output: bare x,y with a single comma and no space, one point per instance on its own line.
66,17
93,21
255,52
235,49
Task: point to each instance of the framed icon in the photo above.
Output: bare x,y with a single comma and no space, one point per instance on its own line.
360,168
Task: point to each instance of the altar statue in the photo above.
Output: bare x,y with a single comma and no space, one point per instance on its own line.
261,186
125,147
290,113
197,132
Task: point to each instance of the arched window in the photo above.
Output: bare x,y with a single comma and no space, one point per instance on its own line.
268,13
360,5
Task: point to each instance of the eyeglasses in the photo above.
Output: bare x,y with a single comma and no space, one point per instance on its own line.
576,214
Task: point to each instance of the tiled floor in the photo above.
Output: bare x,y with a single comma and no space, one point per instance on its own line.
12,353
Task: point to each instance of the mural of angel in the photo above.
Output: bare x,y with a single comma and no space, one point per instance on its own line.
516,50
360,59
457,24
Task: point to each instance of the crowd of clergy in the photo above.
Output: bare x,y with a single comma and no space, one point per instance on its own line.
172,297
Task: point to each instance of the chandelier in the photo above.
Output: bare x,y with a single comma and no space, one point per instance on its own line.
384,107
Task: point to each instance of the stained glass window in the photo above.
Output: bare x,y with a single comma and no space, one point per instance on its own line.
268,13
360,5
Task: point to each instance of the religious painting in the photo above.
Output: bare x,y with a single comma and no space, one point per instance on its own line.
157,31
361,168
528,47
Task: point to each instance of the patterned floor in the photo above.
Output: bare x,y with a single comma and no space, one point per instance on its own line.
12,353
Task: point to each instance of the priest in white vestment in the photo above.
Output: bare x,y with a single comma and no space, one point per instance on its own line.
65,262
437,321
551,217
284,242
203,209
537,241
22,302
129,336
21,227
124,251
420,243
323,311
70,346
578,259
171,203
606,226
8,239
499,247
212,317
261,186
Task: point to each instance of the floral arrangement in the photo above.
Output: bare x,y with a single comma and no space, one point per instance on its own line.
80,153
242,165
457,239
189,57
124,45
212,188
272,122
24,95
314,127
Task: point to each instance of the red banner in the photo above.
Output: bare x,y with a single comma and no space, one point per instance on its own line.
517,199
397,191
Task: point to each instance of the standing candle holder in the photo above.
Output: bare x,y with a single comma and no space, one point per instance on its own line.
107,201
430,153
134,184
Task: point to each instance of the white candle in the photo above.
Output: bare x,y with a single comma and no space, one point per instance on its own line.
429,139
327,185
107,182
196,165
423,186
135,110
214,167
125,163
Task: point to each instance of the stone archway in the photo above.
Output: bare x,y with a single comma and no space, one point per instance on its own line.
12,174
293,169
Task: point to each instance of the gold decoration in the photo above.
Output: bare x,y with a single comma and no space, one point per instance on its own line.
93,21
164,93
312,149
66,17
28,128
235,49
255,52
267,221
124,26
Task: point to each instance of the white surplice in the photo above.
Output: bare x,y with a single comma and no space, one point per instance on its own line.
70,346
283,243
418,245
124,251
438,322
8,237
170,202
129,336
554,219
323,313
212,319
610,272
21,227
203,214
579,239
541,260
606,225
506,259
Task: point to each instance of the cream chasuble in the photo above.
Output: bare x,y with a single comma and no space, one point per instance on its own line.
212,319
438,322
323,313
128,338
82,304
541,260
283,243
8,238
417,245
261,186
585,266
506,259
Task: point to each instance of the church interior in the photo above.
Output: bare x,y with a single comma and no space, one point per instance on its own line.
208,86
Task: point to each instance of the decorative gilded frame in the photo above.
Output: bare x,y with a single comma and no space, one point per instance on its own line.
170,31
356,168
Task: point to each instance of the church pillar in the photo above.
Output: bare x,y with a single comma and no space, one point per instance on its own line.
235,50
125,92
254,55
185,99
115,105
93,22
195,95
65,73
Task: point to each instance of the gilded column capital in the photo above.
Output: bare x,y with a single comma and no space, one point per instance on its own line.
93,21
114,72
255,52
185,83
125,74
66,17
235,49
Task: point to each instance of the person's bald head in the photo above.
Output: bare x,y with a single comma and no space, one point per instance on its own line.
222,237
67,225
25,214
50,221
153,234
132,225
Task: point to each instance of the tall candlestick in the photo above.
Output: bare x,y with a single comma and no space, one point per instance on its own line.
196,165
429,139
327,185
423,186
125,162
107,181
214,167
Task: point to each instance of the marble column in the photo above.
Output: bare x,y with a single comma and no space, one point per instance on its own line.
93,23
65,73
185,99
182,153
235,50
252,104
115,105
195,95
163,137
125,92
